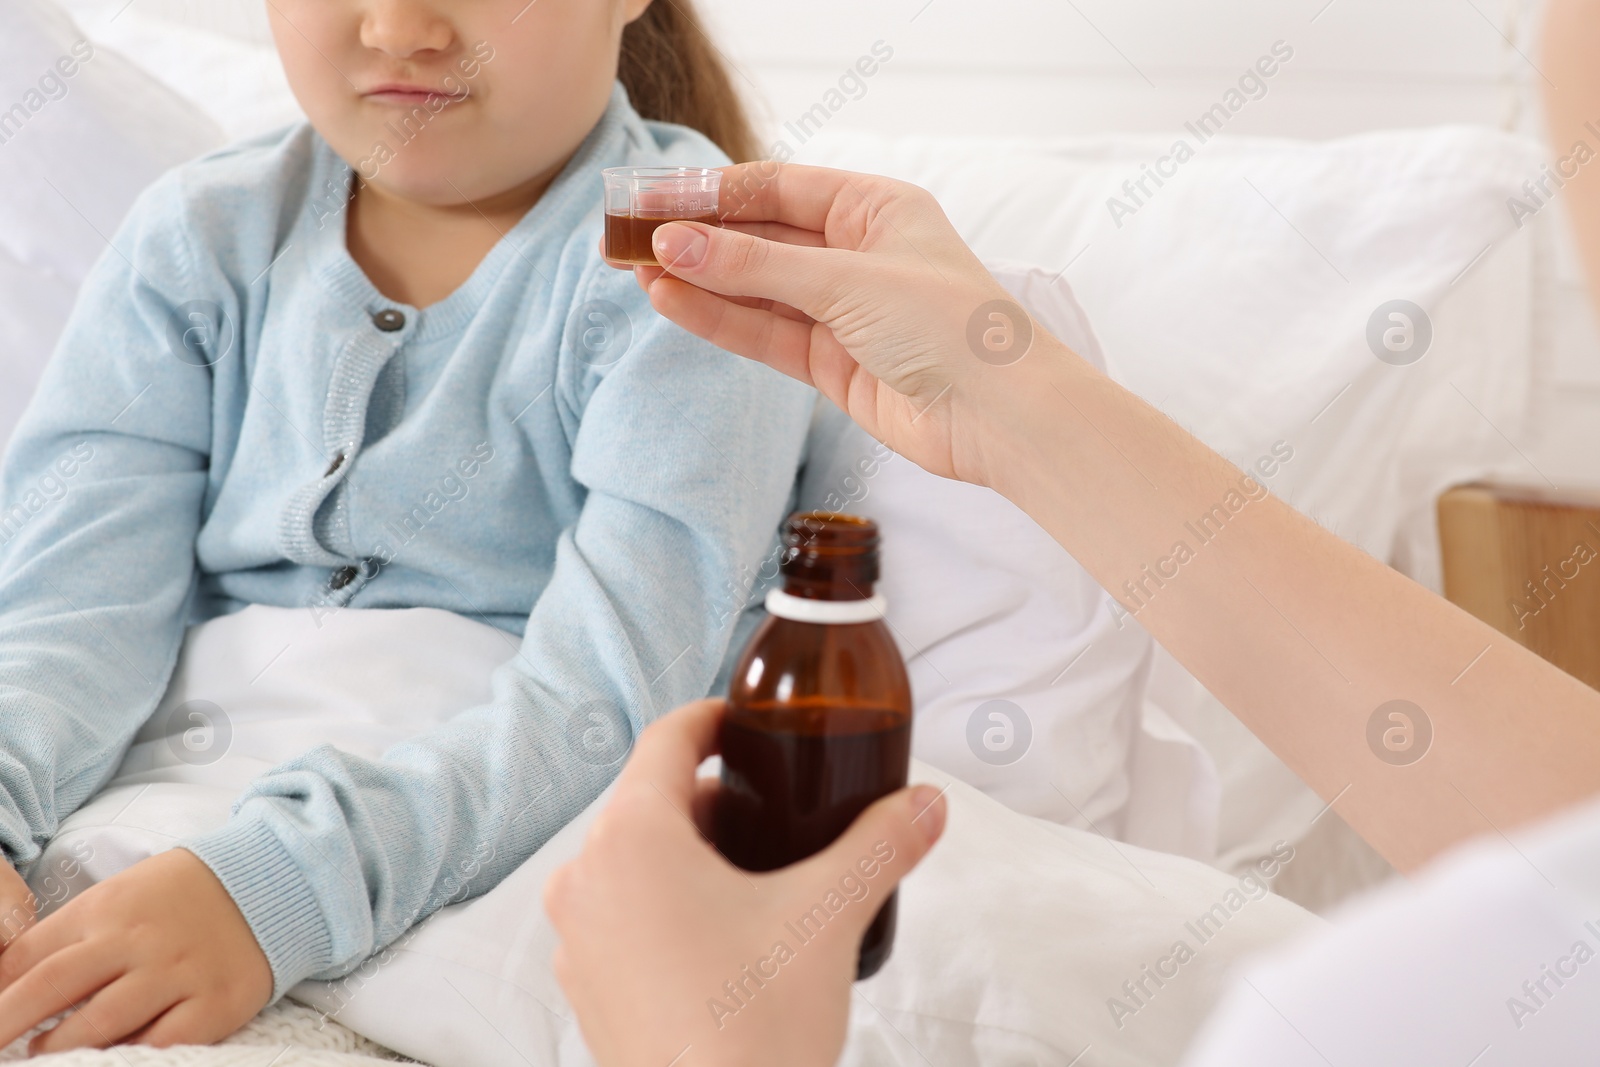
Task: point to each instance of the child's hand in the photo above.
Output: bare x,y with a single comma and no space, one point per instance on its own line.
17,907
158,955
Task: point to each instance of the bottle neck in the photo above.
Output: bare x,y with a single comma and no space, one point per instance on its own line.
830,565
834,579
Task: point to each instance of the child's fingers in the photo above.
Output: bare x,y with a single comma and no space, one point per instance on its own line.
17,906
54,985
37,943
188,1022
127,1005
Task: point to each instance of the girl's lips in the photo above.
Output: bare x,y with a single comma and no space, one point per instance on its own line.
411,97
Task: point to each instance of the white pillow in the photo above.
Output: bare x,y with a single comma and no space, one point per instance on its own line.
1238,297
1014,938
78,150
219,57
1215,302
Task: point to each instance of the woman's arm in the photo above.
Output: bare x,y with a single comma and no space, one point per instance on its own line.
1304,637
1572,107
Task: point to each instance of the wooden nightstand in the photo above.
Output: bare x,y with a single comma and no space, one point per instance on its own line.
1527,562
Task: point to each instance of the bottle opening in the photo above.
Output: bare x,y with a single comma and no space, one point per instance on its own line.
830,556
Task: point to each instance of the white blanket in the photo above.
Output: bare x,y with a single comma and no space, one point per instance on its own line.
286,1035
1020,941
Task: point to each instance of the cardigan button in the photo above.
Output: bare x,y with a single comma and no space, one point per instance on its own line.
389,320
342,577
333,468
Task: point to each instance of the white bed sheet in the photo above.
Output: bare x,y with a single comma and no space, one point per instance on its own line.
1014,937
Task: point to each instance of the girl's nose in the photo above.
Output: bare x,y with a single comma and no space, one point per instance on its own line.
402,28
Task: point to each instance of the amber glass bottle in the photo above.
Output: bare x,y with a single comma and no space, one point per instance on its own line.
819,711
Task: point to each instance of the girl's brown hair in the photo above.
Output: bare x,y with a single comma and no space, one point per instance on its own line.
673,73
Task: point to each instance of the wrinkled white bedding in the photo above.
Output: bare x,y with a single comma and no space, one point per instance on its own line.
1016,938
287,1035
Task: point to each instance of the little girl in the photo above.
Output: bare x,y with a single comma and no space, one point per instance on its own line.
293,350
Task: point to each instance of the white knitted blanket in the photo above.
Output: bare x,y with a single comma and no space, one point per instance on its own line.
285,1035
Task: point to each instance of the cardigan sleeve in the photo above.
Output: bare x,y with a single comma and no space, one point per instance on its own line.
100,498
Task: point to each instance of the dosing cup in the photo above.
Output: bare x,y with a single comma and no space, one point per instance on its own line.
640,200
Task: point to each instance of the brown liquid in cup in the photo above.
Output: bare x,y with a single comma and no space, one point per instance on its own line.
628,237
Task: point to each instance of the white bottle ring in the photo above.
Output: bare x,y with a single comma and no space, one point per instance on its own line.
828,612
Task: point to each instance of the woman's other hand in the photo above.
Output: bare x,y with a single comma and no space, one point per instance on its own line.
670,954
868,293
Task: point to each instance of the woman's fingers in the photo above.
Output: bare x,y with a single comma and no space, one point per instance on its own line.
704,807
781,232
804,197
126,1005
648,276
782,343
799,347
731,263
669,749
52,986
884,843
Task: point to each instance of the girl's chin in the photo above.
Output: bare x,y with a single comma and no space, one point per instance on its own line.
431,186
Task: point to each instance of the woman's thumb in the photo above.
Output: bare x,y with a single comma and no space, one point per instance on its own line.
884,843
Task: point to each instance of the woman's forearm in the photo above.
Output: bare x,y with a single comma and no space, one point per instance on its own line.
1302,635
1305,638
1572,109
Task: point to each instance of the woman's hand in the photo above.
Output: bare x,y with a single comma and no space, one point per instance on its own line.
1275,615
158,955
866,292
669,954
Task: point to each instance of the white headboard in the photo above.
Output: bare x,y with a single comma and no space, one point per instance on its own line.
1103,66
1014,67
